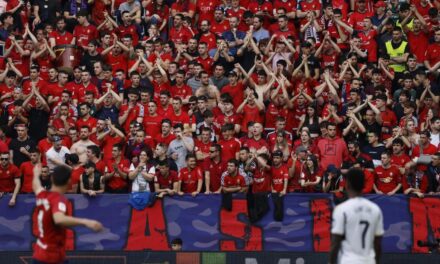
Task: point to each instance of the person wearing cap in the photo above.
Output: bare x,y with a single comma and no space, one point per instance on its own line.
56,155
369,178
332,181
219,24
91,181
380,14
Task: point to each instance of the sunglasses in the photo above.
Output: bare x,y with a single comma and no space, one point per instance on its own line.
4,158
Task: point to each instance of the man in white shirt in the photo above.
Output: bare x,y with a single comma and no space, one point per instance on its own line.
357,226
56,155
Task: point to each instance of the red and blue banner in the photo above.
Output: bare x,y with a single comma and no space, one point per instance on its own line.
204,226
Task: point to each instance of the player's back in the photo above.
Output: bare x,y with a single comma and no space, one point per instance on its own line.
359,221
50,244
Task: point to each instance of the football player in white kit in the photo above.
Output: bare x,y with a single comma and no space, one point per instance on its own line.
357,226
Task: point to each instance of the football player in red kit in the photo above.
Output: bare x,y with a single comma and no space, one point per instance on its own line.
51,217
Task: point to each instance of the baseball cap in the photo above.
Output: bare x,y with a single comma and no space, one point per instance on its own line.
332,169
380,4
300,149
277,153
56,138
232,73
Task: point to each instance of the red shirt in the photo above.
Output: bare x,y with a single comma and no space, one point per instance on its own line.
118,62
418,44
129,30
433,53
152,125
107,144
84,34
256,144
368,182
261,181
26,169
229,148
215,173
165,140
236,91
166,182
81,91
90,122
183,91
250,113
7,177
400,161
205,9
279,175
190,179
180,36
219,27
61,39
117,182
387,179
51,238
356,19
183,118
368,42
206,63
233,181
418,181
389,120
135,112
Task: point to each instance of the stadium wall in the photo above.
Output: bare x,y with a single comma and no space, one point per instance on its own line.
204,227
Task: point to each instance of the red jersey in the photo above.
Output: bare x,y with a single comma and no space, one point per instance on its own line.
368,182
356,19
389,120
203,147
107,144
417,181
26,169
279,175
368,42
433,54
418,44
387,179
129,30
233,181
180,36
237,93
183,91
134,113
205,9
81,91
51,238
152,125
261,181
7,177
183,118
166,182
190,179
117,182
219,27
215,173
61,39
85,34
90,122
400,161
229,148
250,113
165,139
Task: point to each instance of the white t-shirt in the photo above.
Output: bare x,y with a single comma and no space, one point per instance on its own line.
139,183
360,221
54,155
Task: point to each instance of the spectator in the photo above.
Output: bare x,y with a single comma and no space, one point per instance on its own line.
388,178
9,178
56,155
91,181
233,180
415,182
20,146
333,149
80,147
166,181
180,147
433,174
116,171
311,175
143,172
190,177
26,170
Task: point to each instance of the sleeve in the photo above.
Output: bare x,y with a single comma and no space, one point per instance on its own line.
152,170
338,222
17,172
132,168
199,174
379,226
58,205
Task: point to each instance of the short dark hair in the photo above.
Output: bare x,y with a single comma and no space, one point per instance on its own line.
355,179
60,176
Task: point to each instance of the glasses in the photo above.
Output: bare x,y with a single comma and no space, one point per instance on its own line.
20,130
212,151
192,103
4,158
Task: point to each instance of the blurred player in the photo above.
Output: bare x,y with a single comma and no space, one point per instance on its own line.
51,217
357,226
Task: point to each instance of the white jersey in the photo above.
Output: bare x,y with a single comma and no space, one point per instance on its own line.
359,221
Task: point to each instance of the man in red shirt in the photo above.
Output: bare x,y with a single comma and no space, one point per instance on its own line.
85,118
280,174
178,33
214,166
84,32
203,144
230,145
131,111
356,19
219,24
152,120
179,116
388,178
117,171
424,148
165,136
204,57
399,157
232,180
52,215
26,170
433,53
384,116
205,35
86,86
191,177
9,177
60,36
166,181
180,89
332,148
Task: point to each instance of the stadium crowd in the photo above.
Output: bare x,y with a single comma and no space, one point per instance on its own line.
209,96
